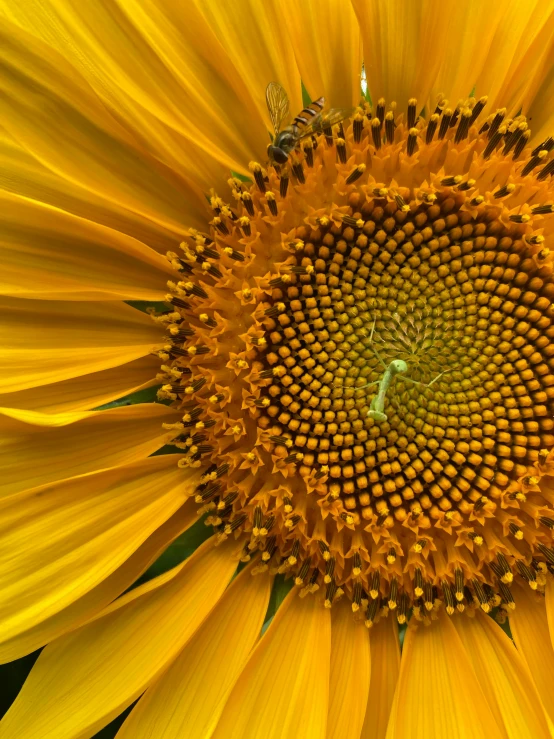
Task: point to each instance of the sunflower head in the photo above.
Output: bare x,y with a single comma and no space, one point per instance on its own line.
360,344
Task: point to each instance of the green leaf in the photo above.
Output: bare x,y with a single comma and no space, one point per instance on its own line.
401,633
181,549
167,449
143,305
504,626
241,177
148,395
306,99
110,731
279,592
363,82
12,677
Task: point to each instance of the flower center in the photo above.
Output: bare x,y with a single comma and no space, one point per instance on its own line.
362,350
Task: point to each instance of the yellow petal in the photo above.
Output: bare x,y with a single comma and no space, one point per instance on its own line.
411,50
350,674
50,341
54,114
256,39
539,111
38,448
385,668
549,601
67,537
438,694
93,602
22,174
529,625
520,57
89,391
145,59
284,689
314,27
84,679
220,121
188,699
503,677
50,254
403,45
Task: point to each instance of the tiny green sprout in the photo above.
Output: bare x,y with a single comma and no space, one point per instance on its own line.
396,367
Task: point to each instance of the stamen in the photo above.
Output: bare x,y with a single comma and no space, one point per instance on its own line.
298,172
505,190
527,574
459,584
302,573
355,174
376,131
521,144
358,127
393,594
271,204
506,595
257,171
547,552
477,109
495,124
412,103
411,146
247,202
374,585
341,150
403,607
431,128
463,127
542,209
546,171
534,162
494,140
513,137
283,185
445,123
371,612
380,111
357,597
481,595
389,127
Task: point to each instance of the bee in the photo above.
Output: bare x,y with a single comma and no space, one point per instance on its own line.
309,121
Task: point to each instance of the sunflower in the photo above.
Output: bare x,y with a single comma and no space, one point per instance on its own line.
344,349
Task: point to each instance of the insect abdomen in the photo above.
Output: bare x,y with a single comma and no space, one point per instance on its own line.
306,115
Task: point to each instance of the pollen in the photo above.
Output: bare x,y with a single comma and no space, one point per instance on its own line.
418,247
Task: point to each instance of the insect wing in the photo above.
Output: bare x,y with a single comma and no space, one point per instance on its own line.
277,104
325,120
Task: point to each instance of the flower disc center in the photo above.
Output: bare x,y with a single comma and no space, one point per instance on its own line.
461,300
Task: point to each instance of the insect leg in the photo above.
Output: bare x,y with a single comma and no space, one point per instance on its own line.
369,384
372,349
424,384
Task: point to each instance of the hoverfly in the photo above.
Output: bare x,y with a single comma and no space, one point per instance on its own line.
309,121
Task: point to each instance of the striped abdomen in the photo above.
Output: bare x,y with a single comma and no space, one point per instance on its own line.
306,116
